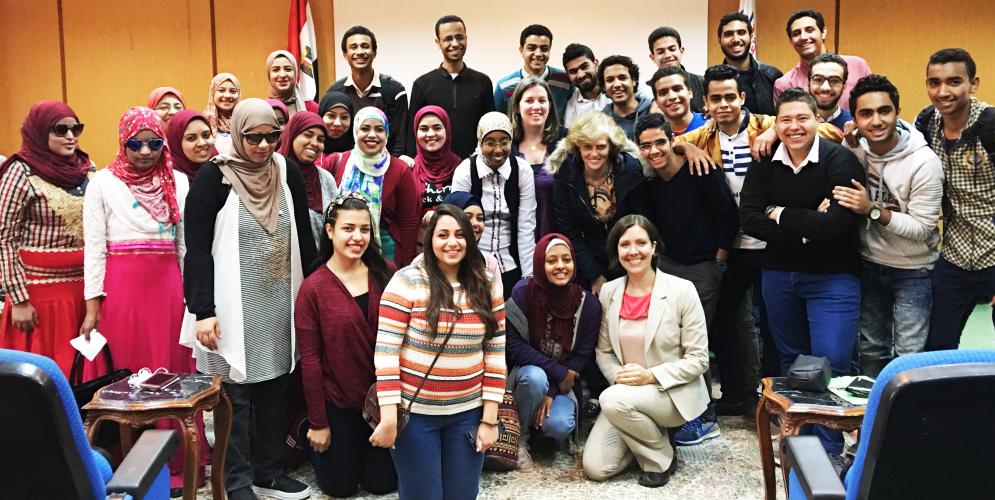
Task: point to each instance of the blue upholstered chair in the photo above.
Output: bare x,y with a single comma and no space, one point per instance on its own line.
44,453
929,432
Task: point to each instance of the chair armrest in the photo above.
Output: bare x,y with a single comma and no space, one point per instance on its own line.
144,462
815,472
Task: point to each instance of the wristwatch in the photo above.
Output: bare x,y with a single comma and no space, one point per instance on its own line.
875,212
770,209
721,265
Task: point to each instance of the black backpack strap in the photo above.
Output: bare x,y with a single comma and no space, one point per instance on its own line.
476,186
923,120
513,197
986,132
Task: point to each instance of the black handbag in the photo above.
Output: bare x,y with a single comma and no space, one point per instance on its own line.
84,391
810,373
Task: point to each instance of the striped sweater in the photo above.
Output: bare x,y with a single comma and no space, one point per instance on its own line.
470,369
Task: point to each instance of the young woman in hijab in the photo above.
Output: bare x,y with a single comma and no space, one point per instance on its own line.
552,330
536,131
302,143
166,102
281,69
280,110
434,162
41,234
386,183
221,100
249,246
133,228
507,188
190,141
336,111
336,317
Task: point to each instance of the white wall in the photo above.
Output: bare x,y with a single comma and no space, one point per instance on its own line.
405,31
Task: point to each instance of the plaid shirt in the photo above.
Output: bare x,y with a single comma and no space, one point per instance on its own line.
968,189
28,220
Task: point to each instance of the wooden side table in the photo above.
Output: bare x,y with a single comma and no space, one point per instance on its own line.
797,408
180,401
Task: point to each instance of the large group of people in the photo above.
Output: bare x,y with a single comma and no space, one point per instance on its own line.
573,237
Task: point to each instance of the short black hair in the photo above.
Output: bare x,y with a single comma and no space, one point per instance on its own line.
618,60
830,58
873,83
954,55
575,50
664,31
450,18
796,94
721,73
359,30
534,30
665,72
623,225
652,120
734,16
798,14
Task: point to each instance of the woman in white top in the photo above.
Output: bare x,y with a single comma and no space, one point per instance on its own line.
653,349
506,187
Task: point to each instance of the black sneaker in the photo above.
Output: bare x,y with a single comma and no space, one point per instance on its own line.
283,488
591,410
726,407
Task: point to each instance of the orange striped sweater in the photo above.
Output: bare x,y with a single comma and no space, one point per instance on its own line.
470,369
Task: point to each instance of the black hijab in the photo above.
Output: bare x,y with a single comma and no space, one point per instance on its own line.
346,141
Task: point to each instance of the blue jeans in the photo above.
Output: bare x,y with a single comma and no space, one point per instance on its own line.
815,314
894,314
435,460
531,385
955,293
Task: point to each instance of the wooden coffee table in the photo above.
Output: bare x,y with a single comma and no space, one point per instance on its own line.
180,401
795,409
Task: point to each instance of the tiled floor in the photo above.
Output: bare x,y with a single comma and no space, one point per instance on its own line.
727,467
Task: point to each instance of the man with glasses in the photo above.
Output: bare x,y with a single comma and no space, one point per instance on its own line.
825,82
464,93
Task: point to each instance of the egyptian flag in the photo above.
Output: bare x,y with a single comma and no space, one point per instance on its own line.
302,43
749,8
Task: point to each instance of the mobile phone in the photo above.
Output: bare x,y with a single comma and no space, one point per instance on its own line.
159,380
472,438
860,386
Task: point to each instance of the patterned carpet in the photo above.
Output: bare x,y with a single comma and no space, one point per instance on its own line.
727,467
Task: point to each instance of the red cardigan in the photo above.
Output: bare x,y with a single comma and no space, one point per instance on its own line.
400,206
336,344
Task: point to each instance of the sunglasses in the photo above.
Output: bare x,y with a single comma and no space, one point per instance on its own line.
255,138
61,129
135,145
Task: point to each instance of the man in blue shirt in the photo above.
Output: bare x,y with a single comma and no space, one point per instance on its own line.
673,96
534,44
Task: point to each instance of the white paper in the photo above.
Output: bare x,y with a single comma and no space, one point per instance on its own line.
92,348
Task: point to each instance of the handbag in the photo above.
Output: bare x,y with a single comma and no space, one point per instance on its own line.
810,373
84,391
503,456
371,407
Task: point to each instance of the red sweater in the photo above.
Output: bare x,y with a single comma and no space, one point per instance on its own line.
336,344
400,206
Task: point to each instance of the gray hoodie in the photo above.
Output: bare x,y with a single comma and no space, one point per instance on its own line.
913,192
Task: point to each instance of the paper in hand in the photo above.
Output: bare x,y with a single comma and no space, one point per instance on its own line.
92,348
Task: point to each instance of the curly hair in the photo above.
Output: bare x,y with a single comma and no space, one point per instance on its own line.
588,128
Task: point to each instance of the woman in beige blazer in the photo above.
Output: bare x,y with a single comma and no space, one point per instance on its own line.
653,349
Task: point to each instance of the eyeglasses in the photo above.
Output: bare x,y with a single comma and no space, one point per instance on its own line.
504,143
255,138
154,144
834,81
61,129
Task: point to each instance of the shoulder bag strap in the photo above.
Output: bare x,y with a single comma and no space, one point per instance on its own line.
431,366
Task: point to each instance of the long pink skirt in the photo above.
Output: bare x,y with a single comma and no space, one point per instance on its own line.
141,318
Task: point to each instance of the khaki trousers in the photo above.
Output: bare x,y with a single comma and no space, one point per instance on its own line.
632,424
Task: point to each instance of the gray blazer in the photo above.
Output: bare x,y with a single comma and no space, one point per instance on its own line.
676,340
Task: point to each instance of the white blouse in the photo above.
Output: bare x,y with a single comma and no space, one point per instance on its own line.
112,214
